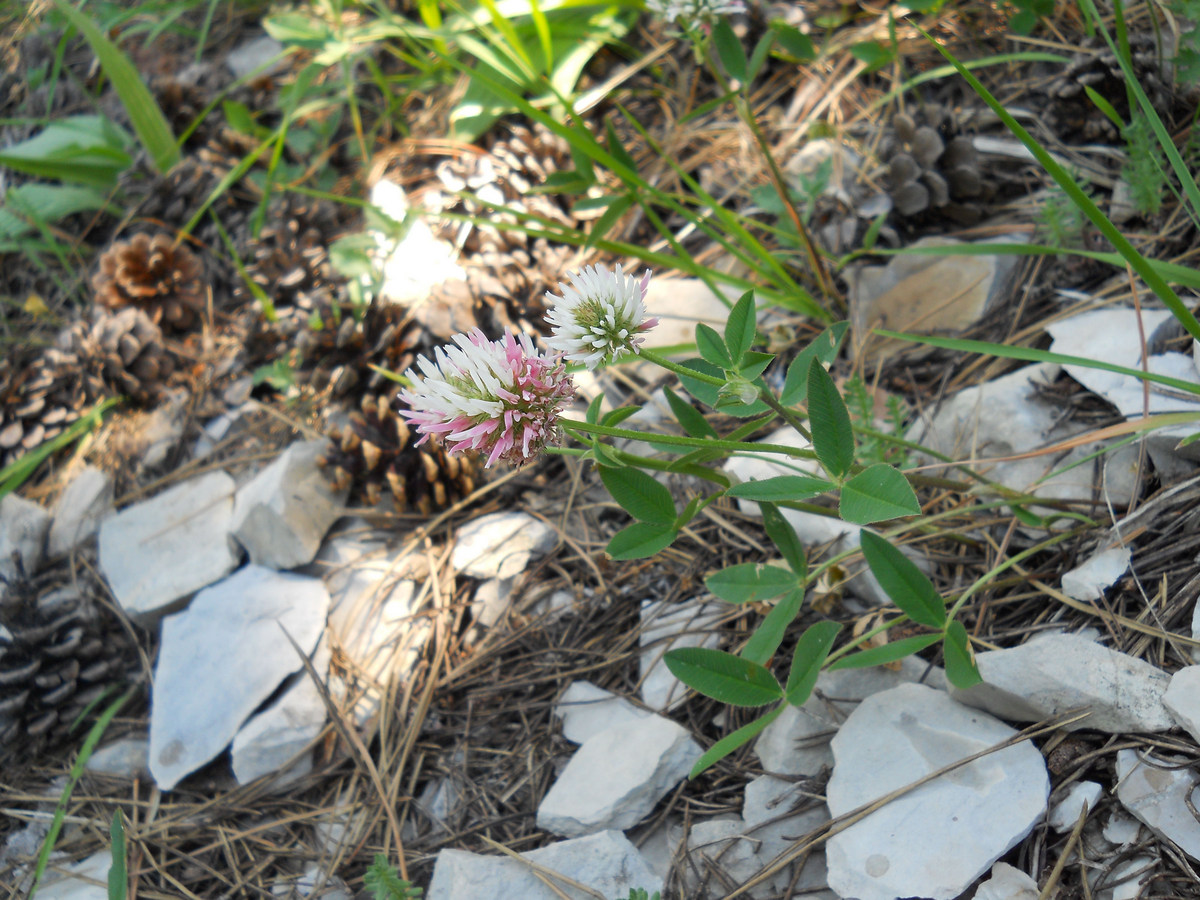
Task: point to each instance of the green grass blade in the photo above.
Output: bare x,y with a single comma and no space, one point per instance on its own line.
1030,354
17,472
60,811
1080,198
147,119
118,876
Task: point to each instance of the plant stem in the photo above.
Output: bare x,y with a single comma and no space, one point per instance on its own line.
680,441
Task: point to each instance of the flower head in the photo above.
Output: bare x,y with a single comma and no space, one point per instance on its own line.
693,13
501,398
601,315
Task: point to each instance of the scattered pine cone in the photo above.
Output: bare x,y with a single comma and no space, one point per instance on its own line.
153,274
38,400
59,650
374,454
123,351
931,168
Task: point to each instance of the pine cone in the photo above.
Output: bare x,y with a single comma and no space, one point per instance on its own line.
374,454
153,274
929,167
121,350
58,652
38,400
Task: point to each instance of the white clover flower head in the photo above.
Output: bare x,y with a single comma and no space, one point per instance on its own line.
501,398
693,13
600,316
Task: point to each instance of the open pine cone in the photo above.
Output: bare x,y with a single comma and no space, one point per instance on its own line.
121,350
929,167
58,653
374,454
155,275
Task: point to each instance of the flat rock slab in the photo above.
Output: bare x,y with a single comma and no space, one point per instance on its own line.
1157,792
617,776
162,549
274,737
607,863
670,626
797,743
222,657
936,840
1065,810
586,710
23,527
1182,699
86,501
1007,883
1060,672
501,545
282,514
1003,418
83,880
1089,581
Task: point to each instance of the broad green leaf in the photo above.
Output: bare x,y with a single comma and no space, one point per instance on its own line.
30,203
723,676
87,150
771,630
794,41
877,494
960,662
811,650
888,653
781,488
640,495
147,119
754,363
825,348
759,56
909,587
783,535
745,582
640,541
711,347
832,433
592,417
731,742
615,417
729,50
710,394
690,418
740,328
874,54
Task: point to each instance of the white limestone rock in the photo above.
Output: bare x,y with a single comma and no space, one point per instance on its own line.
740,847
501,545
617,776
272,738
1182,699
250,54
372,619
668,626
411,262
1126,880
935,841
159,551
607,863
83,880
1059,672
1007,883
1003,418
221,658
797,743
23,527
1065,809
1122,828
1114,336
1157,791
84,502
313,883
126,758
587,710
1089,581
281,516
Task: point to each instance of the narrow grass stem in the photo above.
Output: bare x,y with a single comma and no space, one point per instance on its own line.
680,441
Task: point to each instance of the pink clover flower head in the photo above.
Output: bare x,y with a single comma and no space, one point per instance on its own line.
692,13
600,316
501,398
